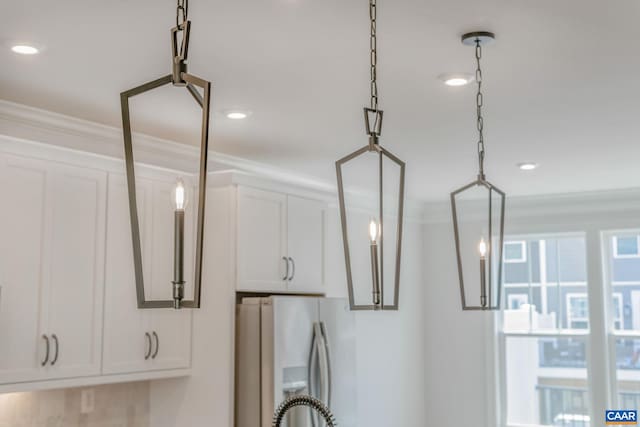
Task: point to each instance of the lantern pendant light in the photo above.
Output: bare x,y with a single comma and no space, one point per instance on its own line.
479,236
379,223
179,78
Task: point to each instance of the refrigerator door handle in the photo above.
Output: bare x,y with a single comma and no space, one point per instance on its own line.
324,366
325,339
311,373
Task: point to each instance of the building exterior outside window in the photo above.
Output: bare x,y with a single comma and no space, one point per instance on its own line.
515,251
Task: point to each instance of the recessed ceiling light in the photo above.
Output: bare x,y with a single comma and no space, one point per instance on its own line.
25,49
237,114
527,166
456,79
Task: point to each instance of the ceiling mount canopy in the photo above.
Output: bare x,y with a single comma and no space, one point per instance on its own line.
479,233
381,226
179,77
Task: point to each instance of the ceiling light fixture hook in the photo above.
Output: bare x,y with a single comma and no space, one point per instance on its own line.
180,46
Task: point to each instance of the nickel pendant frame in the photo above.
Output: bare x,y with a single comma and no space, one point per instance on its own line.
492,245
377,269
180,78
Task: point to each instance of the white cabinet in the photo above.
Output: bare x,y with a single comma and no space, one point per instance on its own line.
51,269
306,244
22,229
138,340
76,272
281,242
262,240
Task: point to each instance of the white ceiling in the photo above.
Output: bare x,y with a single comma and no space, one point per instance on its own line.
561,82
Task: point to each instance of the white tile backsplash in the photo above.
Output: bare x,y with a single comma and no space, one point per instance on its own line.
116,405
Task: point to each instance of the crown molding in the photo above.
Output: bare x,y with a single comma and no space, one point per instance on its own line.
577,207
36,125
22,124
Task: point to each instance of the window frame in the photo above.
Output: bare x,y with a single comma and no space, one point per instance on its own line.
500,385
613,334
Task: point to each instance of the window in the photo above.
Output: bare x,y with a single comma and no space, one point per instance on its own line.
515,301
562,352
545,334
515,251
623,280
626,246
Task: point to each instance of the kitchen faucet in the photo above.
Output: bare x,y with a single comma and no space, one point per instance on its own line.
302,400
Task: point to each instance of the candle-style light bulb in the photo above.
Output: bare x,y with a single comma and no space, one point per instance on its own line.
375,275
373,230
179,196
179,202
482,248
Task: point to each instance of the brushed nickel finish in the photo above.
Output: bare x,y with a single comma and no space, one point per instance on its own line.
180,78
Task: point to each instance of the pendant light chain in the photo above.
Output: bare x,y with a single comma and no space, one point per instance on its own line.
182,12
479,104
373,45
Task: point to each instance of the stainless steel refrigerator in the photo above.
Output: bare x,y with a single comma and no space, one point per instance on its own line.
288,345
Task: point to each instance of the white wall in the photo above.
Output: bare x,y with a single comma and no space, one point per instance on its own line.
455,360
391,345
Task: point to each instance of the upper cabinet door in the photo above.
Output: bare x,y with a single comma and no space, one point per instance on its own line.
126,343
171,338
307,230
76,273
262,240
23,264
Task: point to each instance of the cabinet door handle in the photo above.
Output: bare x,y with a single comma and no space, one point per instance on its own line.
155,353
293,269
286,261
148,354
55,357
46,357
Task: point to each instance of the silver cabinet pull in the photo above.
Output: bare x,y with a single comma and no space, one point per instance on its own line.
55,357
293,269
155,353
286,275
148,354
46,357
